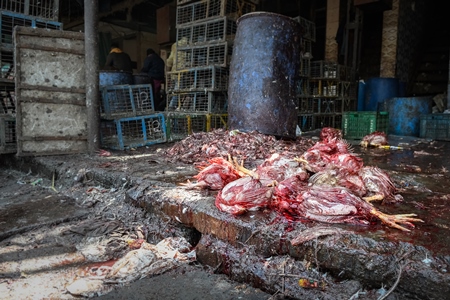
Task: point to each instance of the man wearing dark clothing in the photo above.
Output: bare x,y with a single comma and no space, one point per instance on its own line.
118,60
154,67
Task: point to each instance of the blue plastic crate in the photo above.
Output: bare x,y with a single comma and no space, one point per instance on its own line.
435,126
127,100
134,132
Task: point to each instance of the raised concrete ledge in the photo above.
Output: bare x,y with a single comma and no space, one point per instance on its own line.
355,256
346,254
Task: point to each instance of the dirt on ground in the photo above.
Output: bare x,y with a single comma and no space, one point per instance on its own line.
56,231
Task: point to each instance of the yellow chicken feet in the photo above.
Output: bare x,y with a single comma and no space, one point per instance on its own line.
240,167
377,197
392,220
300,160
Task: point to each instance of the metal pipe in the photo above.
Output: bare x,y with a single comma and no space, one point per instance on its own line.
92,76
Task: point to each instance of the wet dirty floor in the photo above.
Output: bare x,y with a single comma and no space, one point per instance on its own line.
353,261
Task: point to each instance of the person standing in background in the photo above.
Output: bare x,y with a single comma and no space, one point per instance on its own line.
154,67
118,60
176,60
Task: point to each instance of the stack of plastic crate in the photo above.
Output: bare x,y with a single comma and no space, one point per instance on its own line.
128,117
197,88
308,38
29,13
330,91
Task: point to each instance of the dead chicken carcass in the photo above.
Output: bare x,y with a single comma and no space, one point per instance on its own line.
214,176
244,194
256,190
338,205
379,185
375,139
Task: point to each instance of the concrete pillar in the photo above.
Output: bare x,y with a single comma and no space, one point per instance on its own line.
331,47
92,76
389,41
448,86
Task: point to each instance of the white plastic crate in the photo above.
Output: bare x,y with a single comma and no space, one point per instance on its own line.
8,142
44,9
202,10
202,56
216,30
127,100
210,78
210,102
126,133
183,2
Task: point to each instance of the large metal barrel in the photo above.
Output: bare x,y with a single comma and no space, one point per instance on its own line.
115,78
404,114
263,70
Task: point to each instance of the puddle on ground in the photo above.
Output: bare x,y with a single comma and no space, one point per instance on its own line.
424,183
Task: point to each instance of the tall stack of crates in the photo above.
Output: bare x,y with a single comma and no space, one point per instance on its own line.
197,98
129,119
27,13
302,89
325,89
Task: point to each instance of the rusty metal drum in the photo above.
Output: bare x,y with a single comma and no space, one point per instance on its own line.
263,71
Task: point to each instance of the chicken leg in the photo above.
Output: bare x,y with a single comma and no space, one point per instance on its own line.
395,220
377,197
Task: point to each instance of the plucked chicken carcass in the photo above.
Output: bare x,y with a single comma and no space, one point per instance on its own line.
256,189
338,205
328,134
243,194
375,139
216,175
330,151
277,168
335,165
379,185
335,177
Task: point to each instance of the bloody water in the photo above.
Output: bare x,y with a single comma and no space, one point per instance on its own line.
421,172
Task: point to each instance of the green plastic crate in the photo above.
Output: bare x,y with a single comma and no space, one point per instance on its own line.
435,126
357,124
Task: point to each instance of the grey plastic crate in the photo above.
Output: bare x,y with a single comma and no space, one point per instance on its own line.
207,9
202,56
209,78
209,102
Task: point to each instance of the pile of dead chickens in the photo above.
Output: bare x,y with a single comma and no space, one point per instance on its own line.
326,183
252,147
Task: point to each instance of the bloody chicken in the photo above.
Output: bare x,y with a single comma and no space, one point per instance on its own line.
214,175
338,205
375,139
